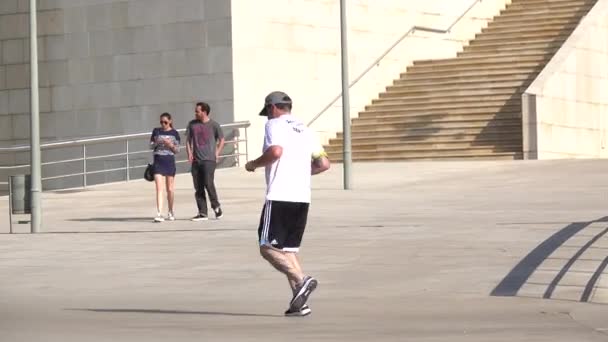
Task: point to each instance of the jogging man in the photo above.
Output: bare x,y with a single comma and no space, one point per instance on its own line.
291,155
205,141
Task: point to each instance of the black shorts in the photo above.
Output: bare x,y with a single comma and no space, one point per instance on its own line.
282,224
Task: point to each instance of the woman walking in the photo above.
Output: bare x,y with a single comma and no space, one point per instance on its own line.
165,143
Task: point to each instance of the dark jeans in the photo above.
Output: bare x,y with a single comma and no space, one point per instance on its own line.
203,174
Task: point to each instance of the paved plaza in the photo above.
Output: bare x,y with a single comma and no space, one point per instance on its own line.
420,251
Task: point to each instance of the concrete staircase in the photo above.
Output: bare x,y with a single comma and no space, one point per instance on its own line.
467,107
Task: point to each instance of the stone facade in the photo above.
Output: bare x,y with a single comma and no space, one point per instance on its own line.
113,66
566,108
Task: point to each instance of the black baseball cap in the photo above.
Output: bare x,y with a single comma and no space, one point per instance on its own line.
276,97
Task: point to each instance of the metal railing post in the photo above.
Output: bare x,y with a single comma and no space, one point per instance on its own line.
346,143
237,149
84,166
128,165
246,146
10,205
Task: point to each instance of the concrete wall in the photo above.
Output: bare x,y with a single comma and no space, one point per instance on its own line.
566,108
295,46
113,66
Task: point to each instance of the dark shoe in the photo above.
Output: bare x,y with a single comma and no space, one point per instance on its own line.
303,291
218,213
304,311
200,217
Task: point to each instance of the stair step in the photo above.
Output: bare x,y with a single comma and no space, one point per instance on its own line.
519,37
466,74
435,125
431,132
458,100
507,145
463,110
527,2
452,101
517,41
538,16
477,79
463,85
450,94
469,153
426,95
512,98
466,60
435,118
440,136
494,24
494,46
529,28
545,10
384,146
556,6
513,68
397,103
514,50
478,157
514,8
523,51
422,148
543,2
481,109
479,67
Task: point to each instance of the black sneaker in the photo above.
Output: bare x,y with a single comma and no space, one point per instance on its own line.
303,291
304,311
218,213
200,217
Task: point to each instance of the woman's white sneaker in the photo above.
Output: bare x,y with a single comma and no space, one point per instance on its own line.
170,217
159,218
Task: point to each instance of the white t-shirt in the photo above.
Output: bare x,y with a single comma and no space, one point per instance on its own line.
288,179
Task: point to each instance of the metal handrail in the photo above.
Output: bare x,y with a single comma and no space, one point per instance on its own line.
105,139
385,53
123,154
125,138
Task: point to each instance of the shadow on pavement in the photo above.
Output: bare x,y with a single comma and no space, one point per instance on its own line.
519,275
177,312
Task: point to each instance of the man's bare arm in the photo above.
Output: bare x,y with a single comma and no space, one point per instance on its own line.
319,165
219,147
272,154
189,150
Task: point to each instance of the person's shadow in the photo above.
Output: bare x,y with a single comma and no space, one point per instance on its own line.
177,312
113,219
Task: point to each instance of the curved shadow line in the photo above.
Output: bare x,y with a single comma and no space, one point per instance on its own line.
591,284
569,264
518,276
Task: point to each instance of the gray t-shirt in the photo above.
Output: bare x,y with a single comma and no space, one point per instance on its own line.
203,137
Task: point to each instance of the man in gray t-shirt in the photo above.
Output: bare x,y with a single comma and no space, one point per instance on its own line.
204,142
